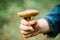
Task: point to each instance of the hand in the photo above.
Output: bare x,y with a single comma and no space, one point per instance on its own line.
32,27
29,29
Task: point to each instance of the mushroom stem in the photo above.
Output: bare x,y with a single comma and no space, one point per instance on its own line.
27,18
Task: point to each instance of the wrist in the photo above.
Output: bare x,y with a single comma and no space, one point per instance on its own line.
44,26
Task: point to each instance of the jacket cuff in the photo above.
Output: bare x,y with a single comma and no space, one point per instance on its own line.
54,31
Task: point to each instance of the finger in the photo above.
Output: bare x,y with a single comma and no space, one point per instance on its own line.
26,28
24,22
26,36
33,22
25,32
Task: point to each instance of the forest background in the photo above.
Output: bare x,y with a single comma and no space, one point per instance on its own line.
9,20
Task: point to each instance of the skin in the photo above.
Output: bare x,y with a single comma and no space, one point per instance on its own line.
32,28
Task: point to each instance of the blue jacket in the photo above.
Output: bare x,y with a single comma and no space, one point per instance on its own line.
53,19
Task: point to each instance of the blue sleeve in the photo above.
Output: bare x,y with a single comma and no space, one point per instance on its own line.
53,19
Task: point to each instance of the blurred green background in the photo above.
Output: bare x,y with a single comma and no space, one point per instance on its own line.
9,21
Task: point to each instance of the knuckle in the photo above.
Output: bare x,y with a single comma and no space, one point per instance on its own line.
26,28
21,26
32,22
24,23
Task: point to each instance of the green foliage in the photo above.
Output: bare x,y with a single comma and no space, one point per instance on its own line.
8,15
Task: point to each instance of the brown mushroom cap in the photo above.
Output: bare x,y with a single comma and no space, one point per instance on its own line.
28,13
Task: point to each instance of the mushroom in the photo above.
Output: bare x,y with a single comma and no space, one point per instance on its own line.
27,14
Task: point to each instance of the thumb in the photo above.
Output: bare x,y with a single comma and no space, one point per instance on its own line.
33,22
